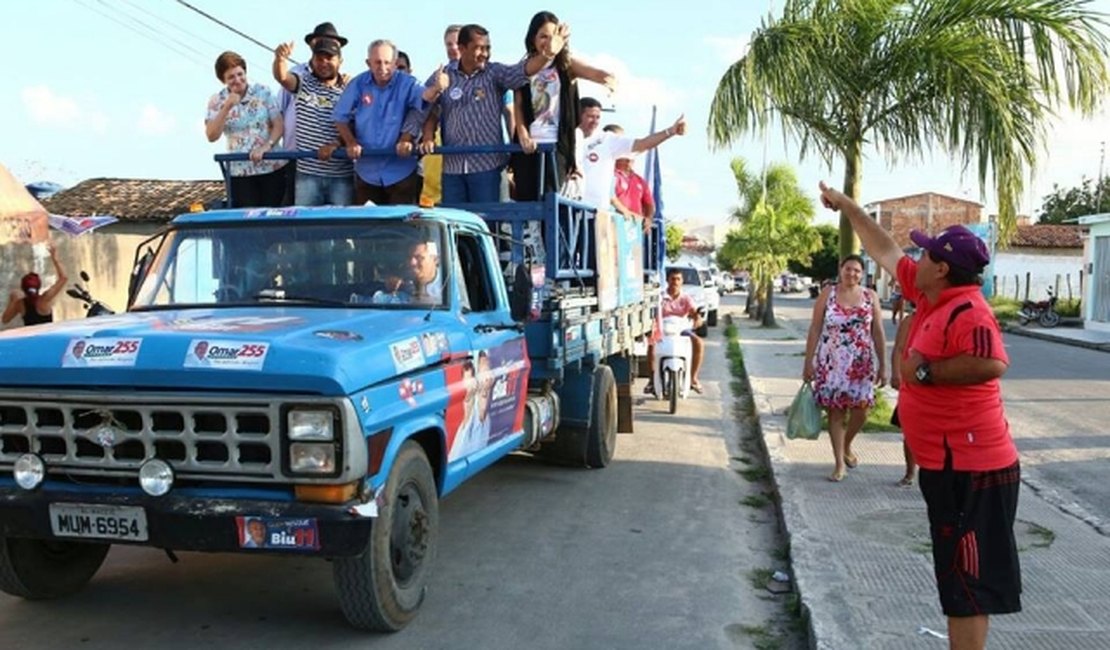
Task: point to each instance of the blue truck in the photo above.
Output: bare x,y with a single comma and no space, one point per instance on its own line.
314,381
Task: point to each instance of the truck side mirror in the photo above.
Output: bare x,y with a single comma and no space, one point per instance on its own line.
520,295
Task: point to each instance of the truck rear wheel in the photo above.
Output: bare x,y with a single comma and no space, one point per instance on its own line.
38,569
382,589
602,433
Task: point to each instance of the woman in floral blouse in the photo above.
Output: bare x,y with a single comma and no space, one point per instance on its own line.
249,115
846,337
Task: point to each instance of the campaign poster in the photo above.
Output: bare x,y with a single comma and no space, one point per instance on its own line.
486,398
278,533
630,258
608,277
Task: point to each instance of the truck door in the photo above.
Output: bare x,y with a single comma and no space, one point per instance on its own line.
498,352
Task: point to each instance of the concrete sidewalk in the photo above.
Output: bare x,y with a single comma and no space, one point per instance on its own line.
860,548
1076,336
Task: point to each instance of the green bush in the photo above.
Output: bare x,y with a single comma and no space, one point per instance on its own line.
1070,308
1005,309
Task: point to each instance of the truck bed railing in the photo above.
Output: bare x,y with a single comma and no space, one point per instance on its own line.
567,225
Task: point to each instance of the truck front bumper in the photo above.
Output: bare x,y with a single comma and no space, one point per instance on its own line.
183,522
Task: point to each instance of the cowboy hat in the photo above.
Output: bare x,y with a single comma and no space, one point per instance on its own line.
326,30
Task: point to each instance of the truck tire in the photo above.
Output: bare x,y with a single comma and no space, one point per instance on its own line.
382,589
602,437
38,569
712,320
591,446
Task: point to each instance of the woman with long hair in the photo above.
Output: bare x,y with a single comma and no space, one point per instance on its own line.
547,112
30,302
845,344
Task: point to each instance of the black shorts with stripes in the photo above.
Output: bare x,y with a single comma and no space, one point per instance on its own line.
975,556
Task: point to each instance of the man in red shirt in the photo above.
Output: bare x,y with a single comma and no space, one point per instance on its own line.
950,407
632,194
677,303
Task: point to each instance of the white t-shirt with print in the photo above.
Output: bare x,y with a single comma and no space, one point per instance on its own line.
599,155
545,105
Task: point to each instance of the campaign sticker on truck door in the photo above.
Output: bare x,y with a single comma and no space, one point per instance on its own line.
406,354
278,533
486,400
101,353
231,355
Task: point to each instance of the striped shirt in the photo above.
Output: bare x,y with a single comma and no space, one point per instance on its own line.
471,113
315,127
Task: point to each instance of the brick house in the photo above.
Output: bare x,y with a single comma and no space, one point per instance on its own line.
929,212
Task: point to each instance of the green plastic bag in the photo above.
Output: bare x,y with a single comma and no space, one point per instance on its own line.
804,419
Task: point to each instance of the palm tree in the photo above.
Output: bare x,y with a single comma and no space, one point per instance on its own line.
774,217
978,78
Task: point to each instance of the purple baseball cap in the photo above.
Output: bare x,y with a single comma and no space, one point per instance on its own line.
956,245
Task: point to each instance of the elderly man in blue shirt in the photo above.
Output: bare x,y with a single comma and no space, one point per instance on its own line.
471,104
369,115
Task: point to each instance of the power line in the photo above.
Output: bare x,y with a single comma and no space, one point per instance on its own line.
174,25
228,27
135,30
153,29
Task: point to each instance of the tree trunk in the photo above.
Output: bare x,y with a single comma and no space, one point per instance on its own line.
749,302
853,172
769,305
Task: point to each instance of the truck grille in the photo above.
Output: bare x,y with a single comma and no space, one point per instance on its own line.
94,437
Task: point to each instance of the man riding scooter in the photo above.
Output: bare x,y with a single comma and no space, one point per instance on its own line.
677,303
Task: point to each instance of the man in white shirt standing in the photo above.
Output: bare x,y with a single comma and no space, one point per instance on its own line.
598,151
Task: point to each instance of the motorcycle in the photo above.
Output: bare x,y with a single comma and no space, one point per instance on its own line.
673,356
1044,311
93,307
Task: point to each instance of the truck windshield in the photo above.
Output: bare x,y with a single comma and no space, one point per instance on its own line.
376,264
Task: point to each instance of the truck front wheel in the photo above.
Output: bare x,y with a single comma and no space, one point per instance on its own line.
382,589
38,569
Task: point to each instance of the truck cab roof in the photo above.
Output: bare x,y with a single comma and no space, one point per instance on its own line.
237,215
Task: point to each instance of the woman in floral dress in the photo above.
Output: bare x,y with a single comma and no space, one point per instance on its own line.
845,358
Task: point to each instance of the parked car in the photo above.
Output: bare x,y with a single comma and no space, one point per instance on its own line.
712,296
725,283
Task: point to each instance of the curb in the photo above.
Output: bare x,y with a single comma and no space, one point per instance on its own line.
1045,336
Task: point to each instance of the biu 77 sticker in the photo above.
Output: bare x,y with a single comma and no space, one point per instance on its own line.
278,533
101,352
232,355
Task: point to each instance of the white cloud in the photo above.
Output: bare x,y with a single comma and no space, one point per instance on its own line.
632,90
727,49
48,108
152,121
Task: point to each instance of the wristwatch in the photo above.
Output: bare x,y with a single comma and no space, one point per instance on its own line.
924,373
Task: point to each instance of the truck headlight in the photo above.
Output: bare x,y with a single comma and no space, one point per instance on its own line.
312,458
29,471
311,425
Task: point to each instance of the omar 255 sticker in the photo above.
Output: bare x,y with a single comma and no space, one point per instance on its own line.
101,352
232,355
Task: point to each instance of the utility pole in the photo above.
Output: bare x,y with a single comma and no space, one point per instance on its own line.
1098,192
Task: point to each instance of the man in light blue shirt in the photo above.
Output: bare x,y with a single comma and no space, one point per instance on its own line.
369,115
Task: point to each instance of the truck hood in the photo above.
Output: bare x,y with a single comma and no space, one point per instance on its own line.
276,349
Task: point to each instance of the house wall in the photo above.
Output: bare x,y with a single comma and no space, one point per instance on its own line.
1043,265
928,213
107,255
1100,278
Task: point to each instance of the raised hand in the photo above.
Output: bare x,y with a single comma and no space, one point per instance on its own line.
679,125
558,40
830,198
283,50
443,82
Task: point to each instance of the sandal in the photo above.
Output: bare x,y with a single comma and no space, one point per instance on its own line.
696,387
649,389
906,481
837,476
851,460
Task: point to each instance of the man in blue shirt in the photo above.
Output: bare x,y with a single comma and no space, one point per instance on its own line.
369,115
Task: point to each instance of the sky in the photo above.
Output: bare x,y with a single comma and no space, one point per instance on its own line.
118,88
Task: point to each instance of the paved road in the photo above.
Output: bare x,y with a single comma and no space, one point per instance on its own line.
653,552
1058,402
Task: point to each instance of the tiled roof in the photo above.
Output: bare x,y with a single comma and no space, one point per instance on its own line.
1047,236
135,199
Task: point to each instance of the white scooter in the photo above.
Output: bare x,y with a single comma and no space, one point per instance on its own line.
673,357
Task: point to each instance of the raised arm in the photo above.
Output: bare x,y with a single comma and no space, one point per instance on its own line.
214,127
280,68
876,241
47,298
581,70
655,139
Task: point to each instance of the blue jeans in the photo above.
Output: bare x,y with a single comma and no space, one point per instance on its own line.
324,190
479,187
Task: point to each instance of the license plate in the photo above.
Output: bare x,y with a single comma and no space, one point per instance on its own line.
87,521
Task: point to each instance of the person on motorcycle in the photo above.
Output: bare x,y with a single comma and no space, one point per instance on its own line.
30,302
677,303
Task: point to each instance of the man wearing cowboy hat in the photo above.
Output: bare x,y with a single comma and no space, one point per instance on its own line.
316,91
